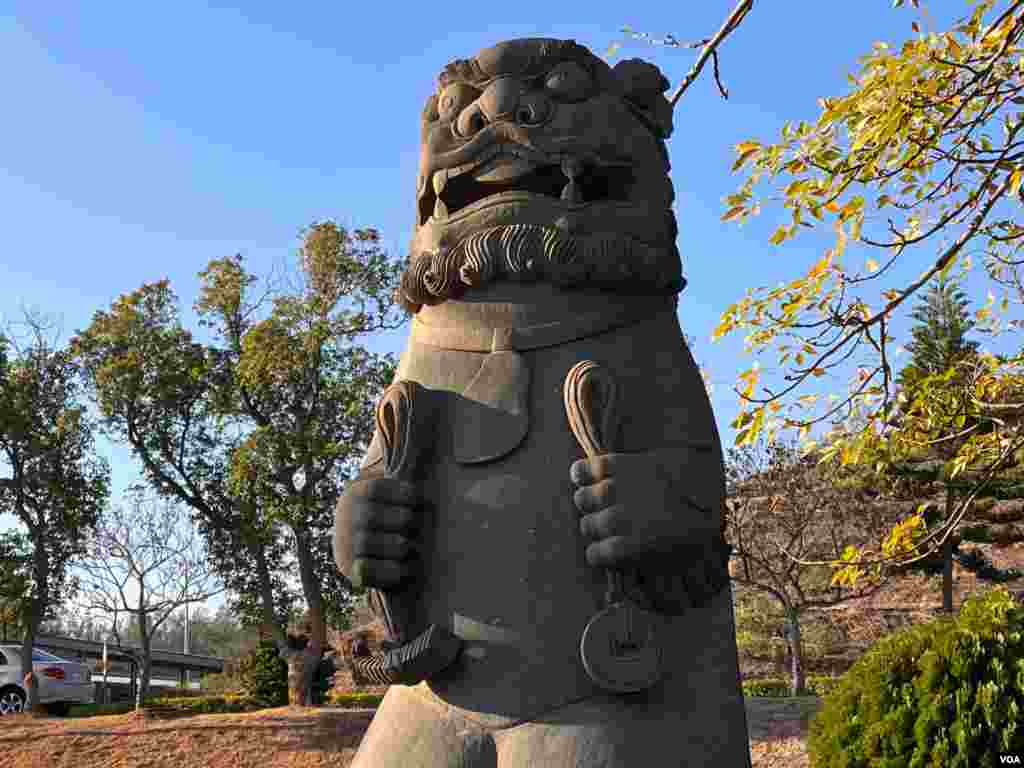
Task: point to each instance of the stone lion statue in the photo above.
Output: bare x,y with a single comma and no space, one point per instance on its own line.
501,510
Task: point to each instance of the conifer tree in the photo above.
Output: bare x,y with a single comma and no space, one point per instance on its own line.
943,322
939,345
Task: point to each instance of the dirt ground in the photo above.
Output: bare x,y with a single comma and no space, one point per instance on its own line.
778,728
273,738
283,738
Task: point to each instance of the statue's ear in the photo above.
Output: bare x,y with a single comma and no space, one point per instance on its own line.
430,113
643,86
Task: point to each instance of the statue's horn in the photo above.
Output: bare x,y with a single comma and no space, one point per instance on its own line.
401,422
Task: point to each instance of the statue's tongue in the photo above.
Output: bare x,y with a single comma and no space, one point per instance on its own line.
504,167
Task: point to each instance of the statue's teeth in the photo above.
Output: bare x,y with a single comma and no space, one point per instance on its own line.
440,210
440,180
572,193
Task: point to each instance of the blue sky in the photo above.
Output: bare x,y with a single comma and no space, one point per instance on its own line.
139,141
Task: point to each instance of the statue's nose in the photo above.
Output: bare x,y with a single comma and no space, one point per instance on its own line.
504,100
500,99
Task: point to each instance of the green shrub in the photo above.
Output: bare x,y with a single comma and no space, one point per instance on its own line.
264,675
985,504
176,693
977,532
817,685
99,710
352,700
221,683
947,693
188,705
210,705
324,680
758,624
759,629
766,687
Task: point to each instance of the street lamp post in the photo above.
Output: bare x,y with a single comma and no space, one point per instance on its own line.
188,681
106,668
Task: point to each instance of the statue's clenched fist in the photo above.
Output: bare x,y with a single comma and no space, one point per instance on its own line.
376,532
637,505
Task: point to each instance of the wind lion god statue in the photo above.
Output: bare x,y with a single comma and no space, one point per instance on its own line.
539,514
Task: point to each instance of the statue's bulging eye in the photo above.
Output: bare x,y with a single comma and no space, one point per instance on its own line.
454,98
471,122
569,82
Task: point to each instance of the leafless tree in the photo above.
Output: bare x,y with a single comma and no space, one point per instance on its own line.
782,509
145,561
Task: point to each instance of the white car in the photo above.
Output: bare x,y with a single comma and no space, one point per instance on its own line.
61,682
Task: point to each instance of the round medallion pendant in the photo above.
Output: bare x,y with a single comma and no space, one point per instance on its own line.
619,648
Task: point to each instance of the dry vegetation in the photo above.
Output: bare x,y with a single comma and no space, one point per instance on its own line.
304,738
274,738
908,599
783,748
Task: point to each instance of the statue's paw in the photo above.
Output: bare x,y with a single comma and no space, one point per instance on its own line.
376,533
632,507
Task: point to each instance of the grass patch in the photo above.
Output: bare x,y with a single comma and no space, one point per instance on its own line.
98,710
817,685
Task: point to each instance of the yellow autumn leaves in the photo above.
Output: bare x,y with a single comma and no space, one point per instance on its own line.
919,159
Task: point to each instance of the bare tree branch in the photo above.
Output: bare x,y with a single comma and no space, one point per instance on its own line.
731,23
147,562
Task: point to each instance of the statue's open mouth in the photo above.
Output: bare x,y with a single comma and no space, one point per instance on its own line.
569,180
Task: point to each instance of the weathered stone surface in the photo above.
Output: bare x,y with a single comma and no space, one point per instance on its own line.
545,237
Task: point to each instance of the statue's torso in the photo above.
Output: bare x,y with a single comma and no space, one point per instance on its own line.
504,560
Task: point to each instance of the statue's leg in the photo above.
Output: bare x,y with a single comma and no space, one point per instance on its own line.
694,718
412,731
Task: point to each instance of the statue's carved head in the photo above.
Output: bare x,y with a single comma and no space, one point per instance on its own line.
539,161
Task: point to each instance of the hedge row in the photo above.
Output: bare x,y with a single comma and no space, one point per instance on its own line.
189,705
817,685
209,705
353,700
96,710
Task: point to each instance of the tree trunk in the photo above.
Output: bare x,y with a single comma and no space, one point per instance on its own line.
302,694
37,605
29,678
145,657
142,688
798,681
302,666
947,559
145,664
270,621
